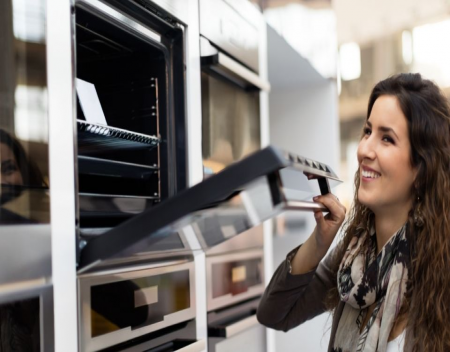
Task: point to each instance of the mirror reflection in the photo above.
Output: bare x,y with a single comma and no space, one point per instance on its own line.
24,183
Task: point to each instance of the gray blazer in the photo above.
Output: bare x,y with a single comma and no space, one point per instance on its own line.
290,300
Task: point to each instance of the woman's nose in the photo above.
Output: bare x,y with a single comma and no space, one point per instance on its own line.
366,149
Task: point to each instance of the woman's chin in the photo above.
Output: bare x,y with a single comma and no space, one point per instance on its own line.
365,200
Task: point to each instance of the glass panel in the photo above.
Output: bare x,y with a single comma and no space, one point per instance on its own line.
138,302
236,277
24,196
19,326
231,127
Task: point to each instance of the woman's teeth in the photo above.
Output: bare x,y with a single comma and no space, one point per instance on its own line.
370,174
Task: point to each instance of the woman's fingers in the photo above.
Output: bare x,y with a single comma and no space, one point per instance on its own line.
331,202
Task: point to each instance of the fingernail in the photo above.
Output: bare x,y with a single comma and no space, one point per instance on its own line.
315,198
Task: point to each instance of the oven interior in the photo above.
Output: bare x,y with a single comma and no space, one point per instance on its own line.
137,160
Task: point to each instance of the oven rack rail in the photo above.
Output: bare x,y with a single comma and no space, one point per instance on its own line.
106,167
97,135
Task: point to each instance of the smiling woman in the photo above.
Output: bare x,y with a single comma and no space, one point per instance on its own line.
387,280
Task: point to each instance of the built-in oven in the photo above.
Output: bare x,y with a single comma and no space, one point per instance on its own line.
139,228
130,86
237,199
230,203
235,282
26,319
131,157
231,82
141,308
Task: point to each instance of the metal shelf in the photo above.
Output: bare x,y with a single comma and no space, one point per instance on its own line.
93,136
116,196
96,166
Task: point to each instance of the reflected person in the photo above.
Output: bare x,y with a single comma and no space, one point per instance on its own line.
19,176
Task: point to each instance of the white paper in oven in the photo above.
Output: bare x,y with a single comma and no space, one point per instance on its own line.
90,104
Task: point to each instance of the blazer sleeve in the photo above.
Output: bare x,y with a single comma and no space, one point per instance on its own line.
290,300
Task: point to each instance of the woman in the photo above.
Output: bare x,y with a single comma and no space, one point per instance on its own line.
16,169
387,281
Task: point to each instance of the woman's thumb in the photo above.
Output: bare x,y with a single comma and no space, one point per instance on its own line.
318,215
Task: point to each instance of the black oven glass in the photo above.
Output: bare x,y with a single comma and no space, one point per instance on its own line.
20,326
235,277
138,302
230,122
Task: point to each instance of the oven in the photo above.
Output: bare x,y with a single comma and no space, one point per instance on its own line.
235,282
206,216
130,87
231,82
143,308
140,229
131,157
233,87
236,200
26,317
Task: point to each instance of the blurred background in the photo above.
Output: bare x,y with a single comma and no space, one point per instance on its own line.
358,43
354,44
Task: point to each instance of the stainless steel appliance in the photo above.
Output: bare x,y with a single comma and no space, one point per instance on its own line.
26,292
140,308
26,318
134,57
138,226
235,200
131,156
235,282
231,82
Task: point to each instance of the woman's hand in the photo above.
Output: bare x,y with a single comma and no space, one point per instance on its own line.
328,225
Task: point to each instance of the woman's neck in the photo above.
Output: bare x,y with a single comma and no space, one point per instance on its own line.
387,224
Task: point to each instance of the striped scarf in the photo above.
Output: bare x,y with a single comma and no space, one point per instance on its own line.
365,278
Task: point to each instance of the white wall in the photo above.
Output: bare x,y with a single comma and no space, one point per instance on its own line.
305,121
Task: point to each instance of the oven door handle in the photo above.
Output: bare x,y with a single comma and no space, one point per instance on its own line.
231,69
233,329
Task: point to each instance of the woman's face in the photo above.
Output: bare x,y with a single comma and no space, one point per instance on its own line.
9,170
384,156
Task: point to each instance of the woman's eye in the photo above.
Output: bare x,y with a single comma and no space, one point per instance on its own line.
367,131
8,169
388,139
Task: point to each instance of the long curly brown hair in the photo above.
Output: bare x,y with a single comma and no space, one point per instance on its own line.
427,301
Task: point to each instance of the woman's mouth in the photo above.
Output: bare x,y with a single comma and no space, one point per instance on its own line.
370,174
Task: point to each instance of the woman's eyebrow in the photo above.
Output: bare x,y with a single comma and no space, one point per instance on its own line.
383,128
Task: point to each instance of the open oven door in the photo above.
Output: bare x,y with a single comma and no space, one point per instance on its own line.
236,199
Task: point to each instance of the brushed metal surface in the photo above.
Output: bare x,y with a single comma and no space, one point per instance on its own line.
26,253
233,28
